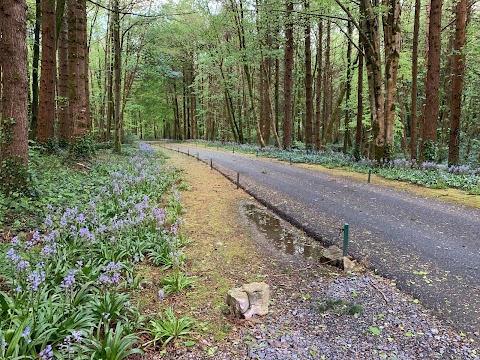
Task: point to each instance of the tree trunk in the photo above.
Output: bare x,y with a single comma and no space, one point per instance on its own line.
318,87
391,35
359,130
77,98
109,78
46,110
35,67
239,17
14,91
371,44
327,95
413,122
308,83
117,71
457,82
346,134
288,78
62,85
430,115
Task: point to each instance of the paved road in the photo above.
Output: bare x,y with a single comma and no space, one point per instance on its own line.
430,248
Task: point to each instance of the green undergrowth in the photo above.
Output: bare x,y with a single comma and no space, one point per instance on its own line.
71,252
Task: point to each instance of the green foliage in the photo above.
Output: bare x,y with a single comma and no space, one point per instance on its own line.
176,281
82,148
430,151
169,327
14,178
67,283
339,307
110,344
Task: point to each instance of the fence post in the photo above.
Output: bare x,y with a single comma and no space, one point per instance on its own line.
345,239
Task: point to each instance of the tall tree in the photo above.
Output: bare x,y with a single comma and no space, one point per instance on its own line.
391,35
35,68
431,109
359,128
288,77
117,71
457,81
413,122
318,86
77,68
46,111
14,91
346,135
308,82
63,112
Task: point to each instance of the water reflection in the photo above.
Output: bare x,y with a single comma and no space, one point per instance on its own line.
283,239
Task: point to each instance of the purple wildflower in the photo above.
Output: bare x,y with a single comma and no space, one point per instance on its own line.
12,256
48,221
69,280
77,336
23,265
161,294
36,279
47,353
49,249
26,334
86,234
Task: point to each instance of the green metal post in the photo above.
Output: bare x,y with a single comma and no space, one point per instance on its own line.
369,174
345,239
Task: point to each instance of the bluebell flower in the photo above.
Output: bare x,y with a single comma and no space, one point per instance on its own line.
69,280
36,279
48,221
47,353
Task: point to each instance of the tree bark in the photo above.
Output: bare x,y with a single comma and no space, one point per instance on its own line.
14,91
413,122
62,85
346,134
318,87
77,98
430,115
35,67
391,34
308,83
371,44
359,127
457,82
117,71
48,75
288,78
327,95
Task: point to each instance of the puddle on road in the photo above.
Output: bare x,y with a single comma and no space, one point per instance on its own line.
276,232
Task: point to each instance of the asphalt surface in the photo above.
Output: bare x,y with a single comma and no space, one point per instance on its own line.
430,248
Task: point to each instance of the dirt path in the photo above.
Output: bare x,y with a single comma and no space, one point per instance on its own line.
226,251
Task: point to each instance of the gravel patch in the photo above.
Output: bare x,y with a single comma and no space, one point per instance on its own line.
320,312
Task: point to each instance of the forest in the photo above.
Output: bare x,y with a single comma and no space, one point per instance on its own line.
374,80
91,216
